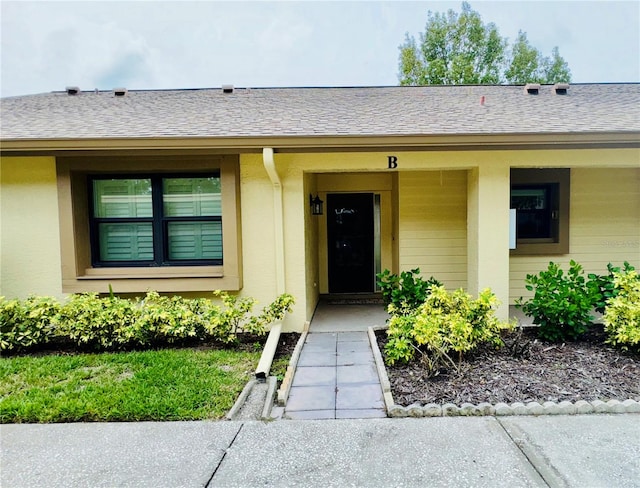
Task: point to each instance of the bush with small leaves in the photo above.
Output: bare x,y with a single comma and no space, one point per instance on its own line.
603,286
446,323
622,312
107,323
224,323
28,323
92,322
168,319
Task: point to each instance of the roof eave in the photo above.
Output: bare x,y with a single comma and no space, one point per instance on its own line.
336,142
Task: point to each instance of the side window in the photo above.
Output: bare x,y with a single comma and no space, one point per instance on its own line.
135,222
541,200
156,220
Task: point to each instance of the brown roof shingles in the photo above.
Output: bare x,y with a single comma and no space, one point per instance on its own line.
283,112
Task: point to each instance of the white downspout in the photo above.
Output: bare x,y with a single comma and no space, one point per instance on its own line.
278,217
264,366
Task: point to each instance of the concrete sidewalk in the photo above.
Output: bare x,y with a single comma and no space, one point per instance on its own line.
558,451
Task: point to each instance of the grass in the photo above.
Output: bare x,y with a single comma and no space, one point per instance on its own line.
169,384
279,367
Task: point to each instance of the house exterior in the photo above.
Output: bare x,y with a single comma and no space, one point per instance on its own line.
188,191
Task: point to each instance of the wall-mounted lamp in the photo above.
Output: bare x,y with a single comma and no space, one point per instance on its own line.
316,205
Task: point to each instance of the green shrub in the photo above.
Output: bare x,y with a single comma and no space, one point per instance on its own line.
445,323
562,303
603,286
224,322
107,323
405,292
169,319
28,323
622,313
99,323
273,312
15,334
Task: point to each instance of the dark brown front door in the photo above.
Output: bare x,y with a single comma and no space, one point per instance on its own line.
350,233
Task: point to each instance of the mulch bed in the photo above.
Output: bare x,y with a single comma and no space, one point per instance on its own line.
586,369
287,343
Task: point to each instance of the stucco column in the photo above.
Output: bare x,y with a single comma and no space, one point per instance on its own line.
488,194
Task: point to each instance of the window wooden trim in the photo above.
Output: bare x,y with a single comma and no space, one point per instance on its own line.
538,177
78,275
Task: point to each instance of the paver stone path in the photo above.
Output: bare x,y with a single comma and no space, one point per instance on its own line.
336,375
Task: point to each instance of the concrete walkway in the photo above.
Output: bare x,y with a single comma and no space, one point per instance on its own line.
558,451
347,318
336,375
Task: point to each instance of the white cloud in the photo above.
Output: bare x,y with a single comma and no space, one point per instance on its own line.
49,45
67,50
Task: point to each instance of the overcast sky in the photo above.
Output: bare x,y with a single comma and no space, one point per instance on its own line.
48,45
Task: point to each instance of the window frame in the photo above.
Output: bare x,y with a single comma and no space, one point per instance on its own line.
80,274
159,222
558,179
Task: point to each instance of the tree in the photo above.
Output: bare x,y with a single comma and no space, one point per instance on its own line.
556,68
459,48
527,64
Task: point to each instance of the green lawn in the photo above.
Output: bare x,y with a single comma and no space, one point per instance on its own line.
170,384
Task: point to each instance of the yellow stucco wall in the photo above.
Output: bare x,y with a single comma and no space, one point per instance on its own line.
258,238
604,226
427,218
433,224
258,250
29,232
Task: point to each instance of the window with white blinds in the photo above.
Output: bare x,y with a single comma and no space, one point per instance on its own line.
156,220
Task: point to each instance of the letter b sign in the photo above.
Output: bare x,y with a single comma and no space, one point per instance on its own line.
393,162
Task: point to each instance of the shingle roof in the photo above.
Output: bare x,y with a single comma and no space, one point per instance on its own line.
284,112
